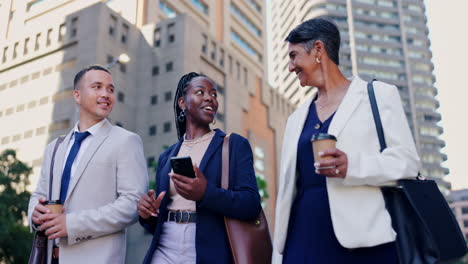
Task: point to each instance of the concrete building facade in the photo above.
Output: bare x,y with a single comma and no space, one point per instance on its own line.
458,201
43,44
383,39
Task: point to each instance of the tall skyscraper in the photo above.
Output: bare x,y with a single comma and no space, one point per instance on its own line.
383,39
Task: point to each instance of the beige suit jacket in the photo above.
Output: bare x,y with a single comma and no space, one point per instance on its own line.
357,206
102,195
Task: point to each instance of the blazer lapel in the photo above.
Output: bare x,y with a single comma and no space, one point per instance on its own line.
297,124
94,145
292,134
215,143
58,166
350,102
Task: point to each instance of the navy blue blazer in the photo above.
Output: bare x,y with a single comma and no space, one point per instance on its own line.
241,201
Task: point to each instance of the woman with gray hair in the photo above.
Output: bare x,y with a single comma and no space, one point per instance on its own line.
332,211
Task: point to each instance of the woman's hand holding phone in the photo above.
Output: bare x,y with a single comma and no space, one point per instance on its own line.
190,188
148,205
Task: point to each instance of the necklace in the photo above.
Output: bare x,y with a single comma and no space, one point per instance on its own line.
190,144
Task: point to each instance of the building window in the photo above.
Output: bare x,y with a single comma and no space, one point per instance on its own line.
464,210
49,39
220,116
168,96
238,70
201,6
26,46
245,20
167,127
243,44
213,51
220,89
5,140
155,70
15,50
124,33
113,25
121,97
259,165
5,52
110,59
245,76
465,223
205,44
230,64
157,37
221,57
154,100
170,32
253,4
170,13
38,41
74,28
152,130
62,32
169,66
119,124
123,67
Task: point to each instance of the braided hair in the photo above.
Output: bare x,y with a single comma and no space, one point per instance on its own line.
180,92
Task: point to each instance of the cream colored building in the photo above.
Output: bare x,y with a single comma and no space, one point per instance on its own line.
43,44
383,39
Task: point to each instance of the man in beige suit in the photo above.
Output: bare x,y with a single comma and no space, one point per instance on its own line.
99,173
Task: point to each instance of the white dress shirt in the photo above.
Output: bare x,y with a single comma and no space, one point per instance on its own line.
84,144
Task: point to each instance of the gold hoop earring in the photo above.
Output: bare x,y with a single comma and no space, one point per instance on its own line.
317,60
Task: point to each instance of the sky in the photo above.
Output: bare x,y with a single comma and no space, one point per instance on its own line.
447,23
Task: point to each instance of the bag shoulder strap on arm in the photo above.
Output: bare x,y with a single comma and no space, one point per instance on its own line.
225,163
376,114
51,174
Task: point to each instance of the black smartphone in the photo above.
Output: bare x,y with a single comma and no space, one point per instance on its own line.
183,166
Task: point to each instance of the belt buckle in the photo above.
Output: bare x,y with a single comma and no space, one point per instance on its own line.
181,213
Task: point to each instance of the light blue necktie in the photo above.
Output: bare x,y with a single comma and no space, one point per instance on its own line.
79,137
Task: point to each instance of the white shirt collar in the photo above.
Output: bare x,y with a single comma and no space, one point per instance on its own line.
92,130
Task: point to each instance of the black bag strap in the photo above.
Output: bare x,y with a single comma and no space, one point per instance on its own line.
376,114
51,174
377,121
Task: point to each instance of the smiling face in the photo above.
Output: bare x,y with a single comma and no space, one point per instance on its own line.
304,64
200,102
95,96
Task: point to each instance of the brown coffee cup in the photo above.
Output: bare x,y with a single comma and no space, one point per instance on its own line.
55,206
320,143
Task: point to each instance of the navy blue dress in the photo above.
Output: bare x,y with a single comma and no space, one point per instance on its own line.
311,238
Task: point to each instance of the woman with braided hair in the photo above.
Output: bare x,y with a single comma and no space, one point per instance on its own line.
186,215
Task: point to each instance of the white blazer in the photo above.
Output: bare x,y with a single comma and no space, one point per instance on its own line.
357,206
102,196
